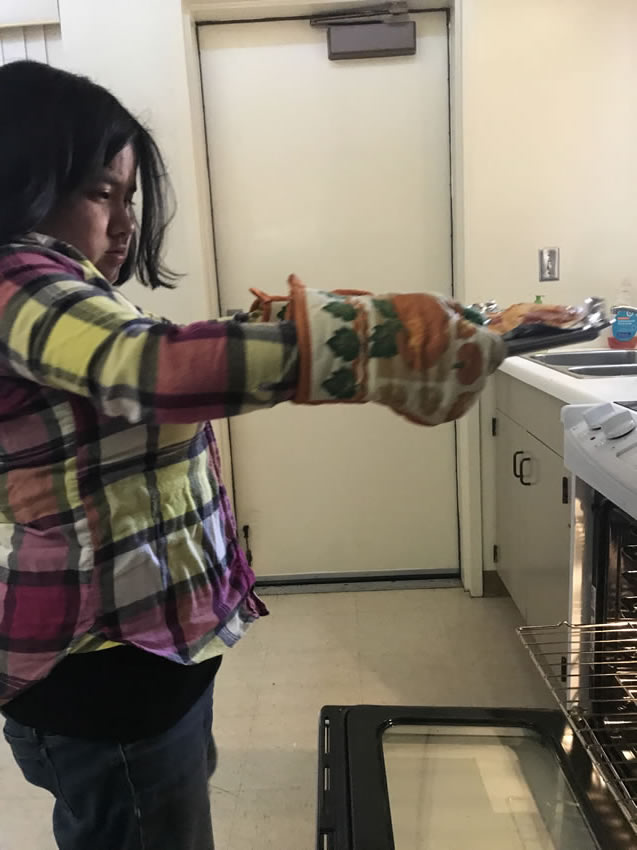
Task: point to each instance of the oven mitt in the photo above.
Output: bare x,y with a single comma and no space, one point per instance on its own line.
268,308
415,353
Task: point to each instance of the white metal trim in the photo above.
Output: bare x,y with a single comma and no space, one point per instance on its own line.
29,13
225,10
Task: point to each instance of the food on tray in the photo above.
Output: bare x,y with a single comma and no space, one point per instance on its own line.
554,315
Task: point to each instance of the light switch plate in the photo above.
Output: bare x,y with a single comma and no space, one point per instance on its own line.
549,263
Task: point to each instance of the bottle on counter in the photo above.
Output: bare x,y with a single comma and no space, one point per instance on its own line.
622,333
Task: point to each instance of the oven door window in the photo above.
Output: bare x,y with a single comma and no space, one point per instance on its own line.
416,778
620,584
479,787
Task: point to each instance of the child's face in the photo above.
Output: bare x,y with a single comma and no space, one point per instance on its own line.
98,219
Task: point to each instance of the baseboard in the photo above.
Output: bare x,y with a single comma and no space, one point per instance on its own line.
265,588
493,584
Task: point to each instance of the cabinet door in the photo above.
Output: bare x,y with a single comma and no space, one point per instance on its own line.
546,561
511,511
532,524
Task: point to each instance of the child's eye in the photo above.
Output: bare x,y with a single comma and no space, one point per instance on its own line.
100,194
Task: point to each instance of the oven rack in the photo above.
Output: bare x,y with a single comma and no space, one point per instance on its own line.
592,672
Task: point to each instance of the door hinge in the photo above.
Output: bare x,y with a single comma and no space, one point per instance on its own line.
389,12
494,427
565,490
496,554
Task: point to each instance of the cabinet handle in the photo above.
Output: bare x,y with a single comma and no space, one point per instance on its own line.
523,462
516,468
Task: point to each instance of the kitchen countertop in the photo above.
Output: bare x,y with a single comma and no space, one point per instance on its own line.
568,389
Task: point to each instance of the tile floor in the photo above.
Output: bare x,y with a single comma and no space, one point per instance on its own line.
435,647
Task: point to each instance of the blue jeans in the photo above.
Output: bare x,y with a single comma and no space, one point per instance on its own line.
148,795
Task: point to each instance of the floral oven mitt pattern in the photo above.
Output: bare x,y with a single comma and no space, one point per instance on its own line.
415,353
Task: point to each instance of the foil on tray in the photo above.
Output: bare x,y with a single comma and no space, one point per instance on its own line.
589,321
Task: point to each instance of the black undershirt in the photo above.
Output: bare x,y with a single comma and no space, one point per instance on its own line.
121,693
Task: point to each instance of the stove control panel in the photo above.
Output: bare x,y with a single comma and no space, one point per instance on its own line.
594,416
600,448
618,424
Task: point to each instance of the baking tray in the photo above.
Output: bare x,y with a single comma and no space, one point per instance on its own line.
527,339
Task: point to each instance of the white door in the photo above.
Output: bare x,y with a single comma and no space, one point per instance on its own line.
339,172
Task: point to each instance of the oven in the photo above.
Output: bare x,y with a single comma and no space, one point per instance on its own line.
422,778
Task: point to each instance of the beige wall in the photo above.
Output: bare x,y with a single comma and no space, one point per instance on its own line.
548,122
137,48
142,50
549,138
550,145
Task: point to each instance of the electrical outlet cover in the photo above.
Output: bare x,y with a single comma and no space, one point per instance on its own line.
549,264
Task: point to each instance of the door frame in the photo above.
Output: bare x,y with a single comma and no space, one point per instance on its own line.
169,29
468,431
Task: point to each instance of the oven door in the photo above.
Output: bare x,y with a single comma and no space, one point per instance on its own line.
451,778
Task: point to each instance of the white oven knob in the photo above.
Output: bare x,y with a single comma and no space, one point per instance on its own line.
596,415
618,425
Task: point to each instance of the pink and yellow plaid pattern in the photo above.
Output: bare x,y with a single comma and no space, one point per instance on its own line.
114,524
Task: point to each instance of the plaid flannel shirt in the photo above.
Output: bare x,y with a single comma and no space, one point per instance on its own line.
115,526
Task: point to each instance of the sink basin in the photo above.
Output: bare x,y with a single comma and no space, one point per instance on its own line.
590,363
592,357
604,371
